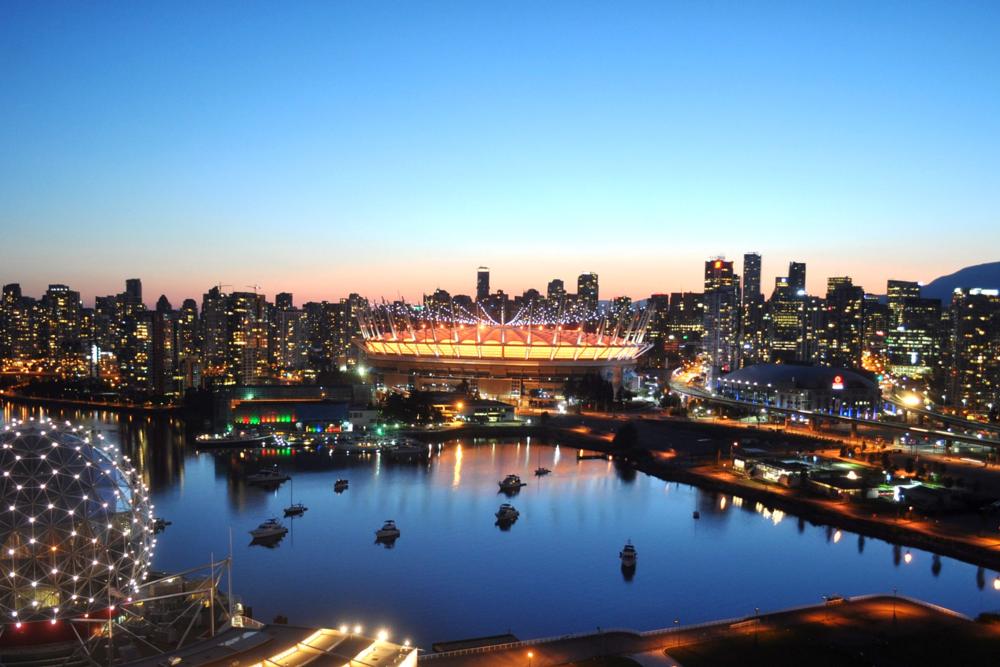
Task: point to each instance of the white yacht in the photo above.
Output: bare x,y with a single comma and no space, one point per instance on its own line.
507,513
388,531
267,476
511,483
628,555
270,529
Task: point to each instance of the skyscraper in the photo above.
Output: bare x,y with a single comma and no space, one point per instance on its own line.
483,283
843,334
897,292
722,300
752,317
797,276
587,290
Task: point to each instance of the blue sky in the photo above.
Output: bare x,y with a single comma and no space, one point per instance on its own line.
393,147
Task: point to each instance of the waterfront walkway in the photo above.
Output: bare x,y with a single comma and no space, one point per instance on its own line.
838,632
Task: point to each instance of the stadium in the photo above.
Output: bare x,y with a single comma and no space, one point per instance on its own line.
505,360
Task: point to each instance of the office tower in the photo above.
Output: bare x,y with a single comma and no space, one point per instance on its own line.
897,292
556,290
797,277
752,333
844,323
722,299
975,353
588,292
133,291
785,317
482,283
876,326
283,301
163,347
913,347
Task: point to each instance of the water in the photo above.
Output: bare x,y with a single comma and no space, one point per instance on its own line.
454,574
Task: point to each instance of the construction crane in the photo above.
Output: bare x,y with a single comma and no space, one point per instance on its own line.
254,288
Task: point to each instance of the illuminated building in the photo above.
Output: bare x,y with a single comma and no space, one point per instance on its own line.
61,306
833,390
504,359
913,347
556,290
164,347
752,333
975,350
247,338
78,534
897,291
785,317
843,329
587,291
721,316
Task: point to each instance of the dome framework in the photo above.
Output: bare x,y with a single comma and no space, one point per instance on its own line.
76,524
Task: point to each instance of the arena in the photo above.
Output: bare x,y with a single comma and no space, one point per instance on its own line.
518,362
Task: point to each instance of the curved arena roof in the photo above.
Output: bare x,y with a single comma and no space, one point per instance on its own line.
799,377
492,342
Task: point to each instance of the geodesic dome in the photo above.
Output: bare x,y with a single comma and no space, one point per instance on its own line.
76,526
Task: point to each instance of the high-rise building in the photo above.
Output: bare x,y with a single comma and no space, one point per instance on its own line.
797,277
913,347
164,347
133,291
556,290
721,317
214,332
9,301
247,342
588,291
975,354
752,333
483,283
284,301
785,317
62,323
897,292
843,333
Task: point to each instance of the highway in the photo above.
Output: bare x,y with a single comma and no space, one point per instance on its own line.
700,393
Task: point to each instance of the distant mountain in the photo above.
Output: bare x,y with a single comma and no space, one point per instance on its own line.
981,275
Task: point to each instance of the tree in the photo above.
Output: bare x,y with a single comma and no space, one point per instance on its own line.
627,437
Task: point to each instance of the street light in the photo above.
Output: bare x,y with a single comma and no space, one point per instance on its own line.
531,655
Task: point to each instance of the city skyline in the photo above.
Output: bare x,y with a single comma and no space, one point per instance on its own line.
350,146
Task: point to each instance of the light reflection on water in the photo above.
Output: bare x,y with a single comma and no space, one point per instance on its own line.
454,574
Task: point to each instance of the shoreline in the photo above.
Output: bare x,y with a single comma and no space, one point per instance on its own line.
40,401
799,507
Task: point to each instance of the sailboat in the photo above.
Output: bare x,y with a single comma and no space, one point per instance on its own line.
295,509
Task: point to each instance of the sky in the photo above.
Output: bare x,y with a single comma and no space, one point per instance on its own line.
390,148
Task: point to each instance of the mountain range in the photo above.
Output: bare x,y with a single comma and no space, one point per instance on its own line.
981,275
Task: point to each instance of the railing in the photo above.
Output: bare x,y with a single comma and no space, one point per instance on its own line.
522,644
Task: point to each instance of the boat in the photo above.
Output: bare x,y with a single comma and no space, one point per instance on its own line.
696,515
270,529
340,485
267,476
294,509
511,483
628,555
159,525
388,531
507,514
235,439
541,472
406,450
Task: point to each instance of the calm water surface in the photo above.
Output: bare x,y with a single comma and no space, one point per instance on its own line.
454,574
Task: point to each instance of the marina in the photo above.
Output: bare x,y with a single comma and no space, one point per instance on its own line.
562,552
